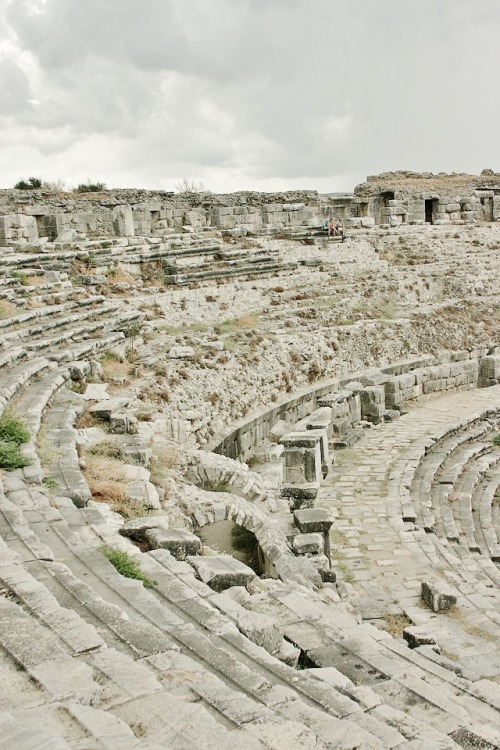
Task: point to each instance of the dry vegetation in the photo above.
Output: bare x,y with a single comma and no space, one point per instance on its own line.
7,309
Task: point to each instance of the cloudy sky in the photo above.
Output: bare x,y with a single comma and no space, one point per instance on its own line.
246,94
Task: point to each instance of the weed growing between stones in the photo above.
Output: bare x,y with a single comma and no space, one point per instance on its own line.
496,440
126,566
396,623
7,309
347,575
51,483
46,451
12,434
109,448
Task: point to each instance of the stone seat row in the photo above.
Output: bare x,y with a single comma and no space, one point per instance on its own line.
374,715
172,258
364,721
445,484
442,462
138,639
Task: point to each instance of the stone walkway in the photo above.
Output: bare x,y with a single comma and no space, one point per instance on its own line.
386,558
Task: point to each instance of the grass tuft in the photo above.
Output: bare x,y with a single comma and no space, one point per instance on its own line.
126,566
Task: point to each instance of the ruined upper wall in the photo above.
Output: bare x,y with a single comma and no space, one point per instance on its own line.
27,216
424,183
20,201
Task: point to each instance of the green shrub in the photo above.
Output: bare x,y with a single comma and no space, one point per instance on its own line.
10,456
21,277
496,440
12,434
126,566
31,184
13,430
90,187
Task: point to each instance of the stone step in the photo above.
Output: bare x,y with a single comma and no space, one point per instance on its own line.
31,401
79,333
64,467
14,378
461,500
181,278
87,348
37,652
429,472
41,313
190,639
12,355
73,633
16,534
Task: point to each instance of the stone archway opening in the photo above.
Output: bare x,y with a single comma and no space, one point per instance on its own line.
233,539
430,210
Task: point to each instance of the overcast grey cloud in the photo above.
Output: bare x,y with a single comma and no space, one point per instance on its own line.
246,94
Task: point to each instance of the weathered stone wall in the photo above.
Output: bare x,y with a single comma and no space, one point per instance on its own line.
27,215
389,199
395,198
399,384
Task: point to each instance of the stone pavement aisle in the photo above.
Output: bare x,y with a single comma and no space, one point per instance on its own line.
386,559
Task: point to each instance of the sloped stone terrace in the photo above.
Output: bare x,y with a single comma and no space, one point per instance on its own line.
145,667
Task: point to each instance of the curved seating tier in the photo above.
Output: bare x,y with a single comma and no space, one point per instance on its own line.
95,660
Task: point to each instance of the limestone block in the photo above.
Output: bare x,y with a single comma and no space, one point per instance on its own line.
104,409
321,562
96,392
434,386
123,221
262,630
341,409
278,429
96,370
373,403
418,636
221,572
298,569
489,371
180,352
437,596
288,654
67,235
313,520
353,223
137,528
308,543
340,427
145,493
354,403
179,542
367,222
78,370
52,277
122,422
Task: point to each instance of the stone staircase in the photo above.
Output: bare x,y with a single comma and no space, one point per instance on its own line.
91,660
158,658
